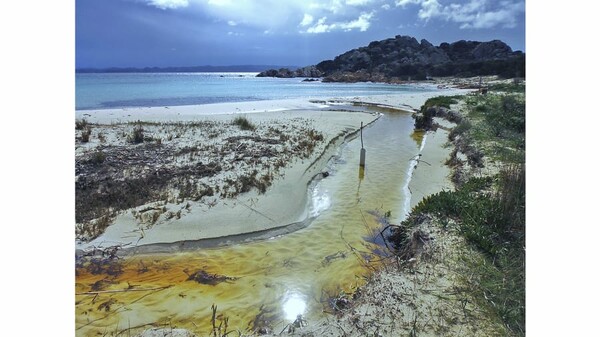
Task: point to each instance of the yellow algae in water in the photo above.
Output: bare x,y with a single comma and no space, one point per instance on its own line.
417,136
267,283
264,284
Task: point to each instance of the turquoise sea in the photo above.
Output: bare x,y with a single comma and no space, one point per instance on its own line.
118,90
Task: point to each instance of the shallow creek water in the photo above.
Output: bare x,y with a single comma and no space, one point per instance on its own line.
272,281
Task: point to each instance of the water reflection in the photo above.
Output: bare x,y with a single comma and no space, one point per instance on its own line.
321,201
294,305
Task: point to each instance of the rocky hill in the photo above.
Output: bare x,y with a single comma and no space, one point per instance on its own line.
404,58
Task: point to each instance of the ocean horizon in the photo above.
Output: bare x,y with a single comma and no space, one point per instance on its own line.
124,90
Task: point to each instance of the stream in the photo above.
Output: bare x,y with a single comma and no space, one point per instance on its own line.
265,285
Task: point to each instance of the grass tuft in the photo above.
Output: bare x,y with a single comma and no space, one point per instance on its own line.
137,135
81,124
244,123
86,134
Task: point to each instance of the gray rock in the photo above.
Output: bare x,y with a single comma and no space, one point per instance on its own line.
426,44
492,50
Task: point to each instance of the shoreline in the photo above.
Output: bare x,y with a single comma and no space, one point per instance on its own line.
280,210
307,214
252,215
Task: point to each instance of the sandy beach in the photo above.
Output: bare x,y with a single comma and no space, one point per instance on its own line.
217,183
203,142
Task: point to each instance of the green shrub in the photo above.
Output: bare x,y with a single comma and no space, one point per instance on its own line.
444,101
508,87
514,113
424,121
460,129
490,211
491,216
98,157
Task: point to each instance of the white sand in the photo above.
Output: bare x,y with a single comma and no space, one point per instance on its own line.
283,208
192,112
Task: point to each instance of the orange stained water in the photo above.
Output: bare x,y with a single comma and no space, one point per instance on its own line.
271,281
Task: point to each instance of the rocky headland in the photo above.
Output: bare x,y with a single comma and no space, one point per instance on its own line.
403,58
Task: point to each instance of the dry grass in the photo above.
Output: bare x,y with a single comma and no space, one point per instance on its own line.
188,161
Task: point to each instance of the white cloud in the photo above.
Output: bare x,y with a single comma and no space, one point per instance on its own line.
362,23
307,20
403,3
471,14
429,9
320,27
357,2
262,14
331,6
282,17
385,7
168,4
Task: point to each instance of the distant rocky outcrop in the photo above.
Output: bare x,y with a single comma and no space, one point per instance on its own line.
404,58
183,69
310,71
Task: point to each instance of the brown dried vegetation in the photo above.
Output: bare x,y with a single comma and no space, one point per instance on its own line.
176,161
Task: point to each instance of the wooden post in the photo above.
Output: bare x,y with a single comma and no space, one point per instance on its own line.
363,152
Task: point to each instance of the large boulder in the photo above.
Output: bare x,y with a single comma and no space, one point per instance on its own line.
495,49
310,71
267,73
282,73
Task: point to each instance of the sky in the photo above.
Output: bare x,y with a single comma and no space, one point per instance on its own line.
162,33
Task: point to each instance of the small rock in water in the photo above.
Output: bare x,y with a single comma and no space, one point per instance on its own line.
203,277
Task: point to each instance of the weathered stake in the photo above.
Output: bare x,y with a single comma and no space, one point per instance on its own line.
363,152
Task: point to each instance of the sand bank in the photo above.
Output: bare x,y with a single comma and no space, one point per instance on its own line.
218,218
224,216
